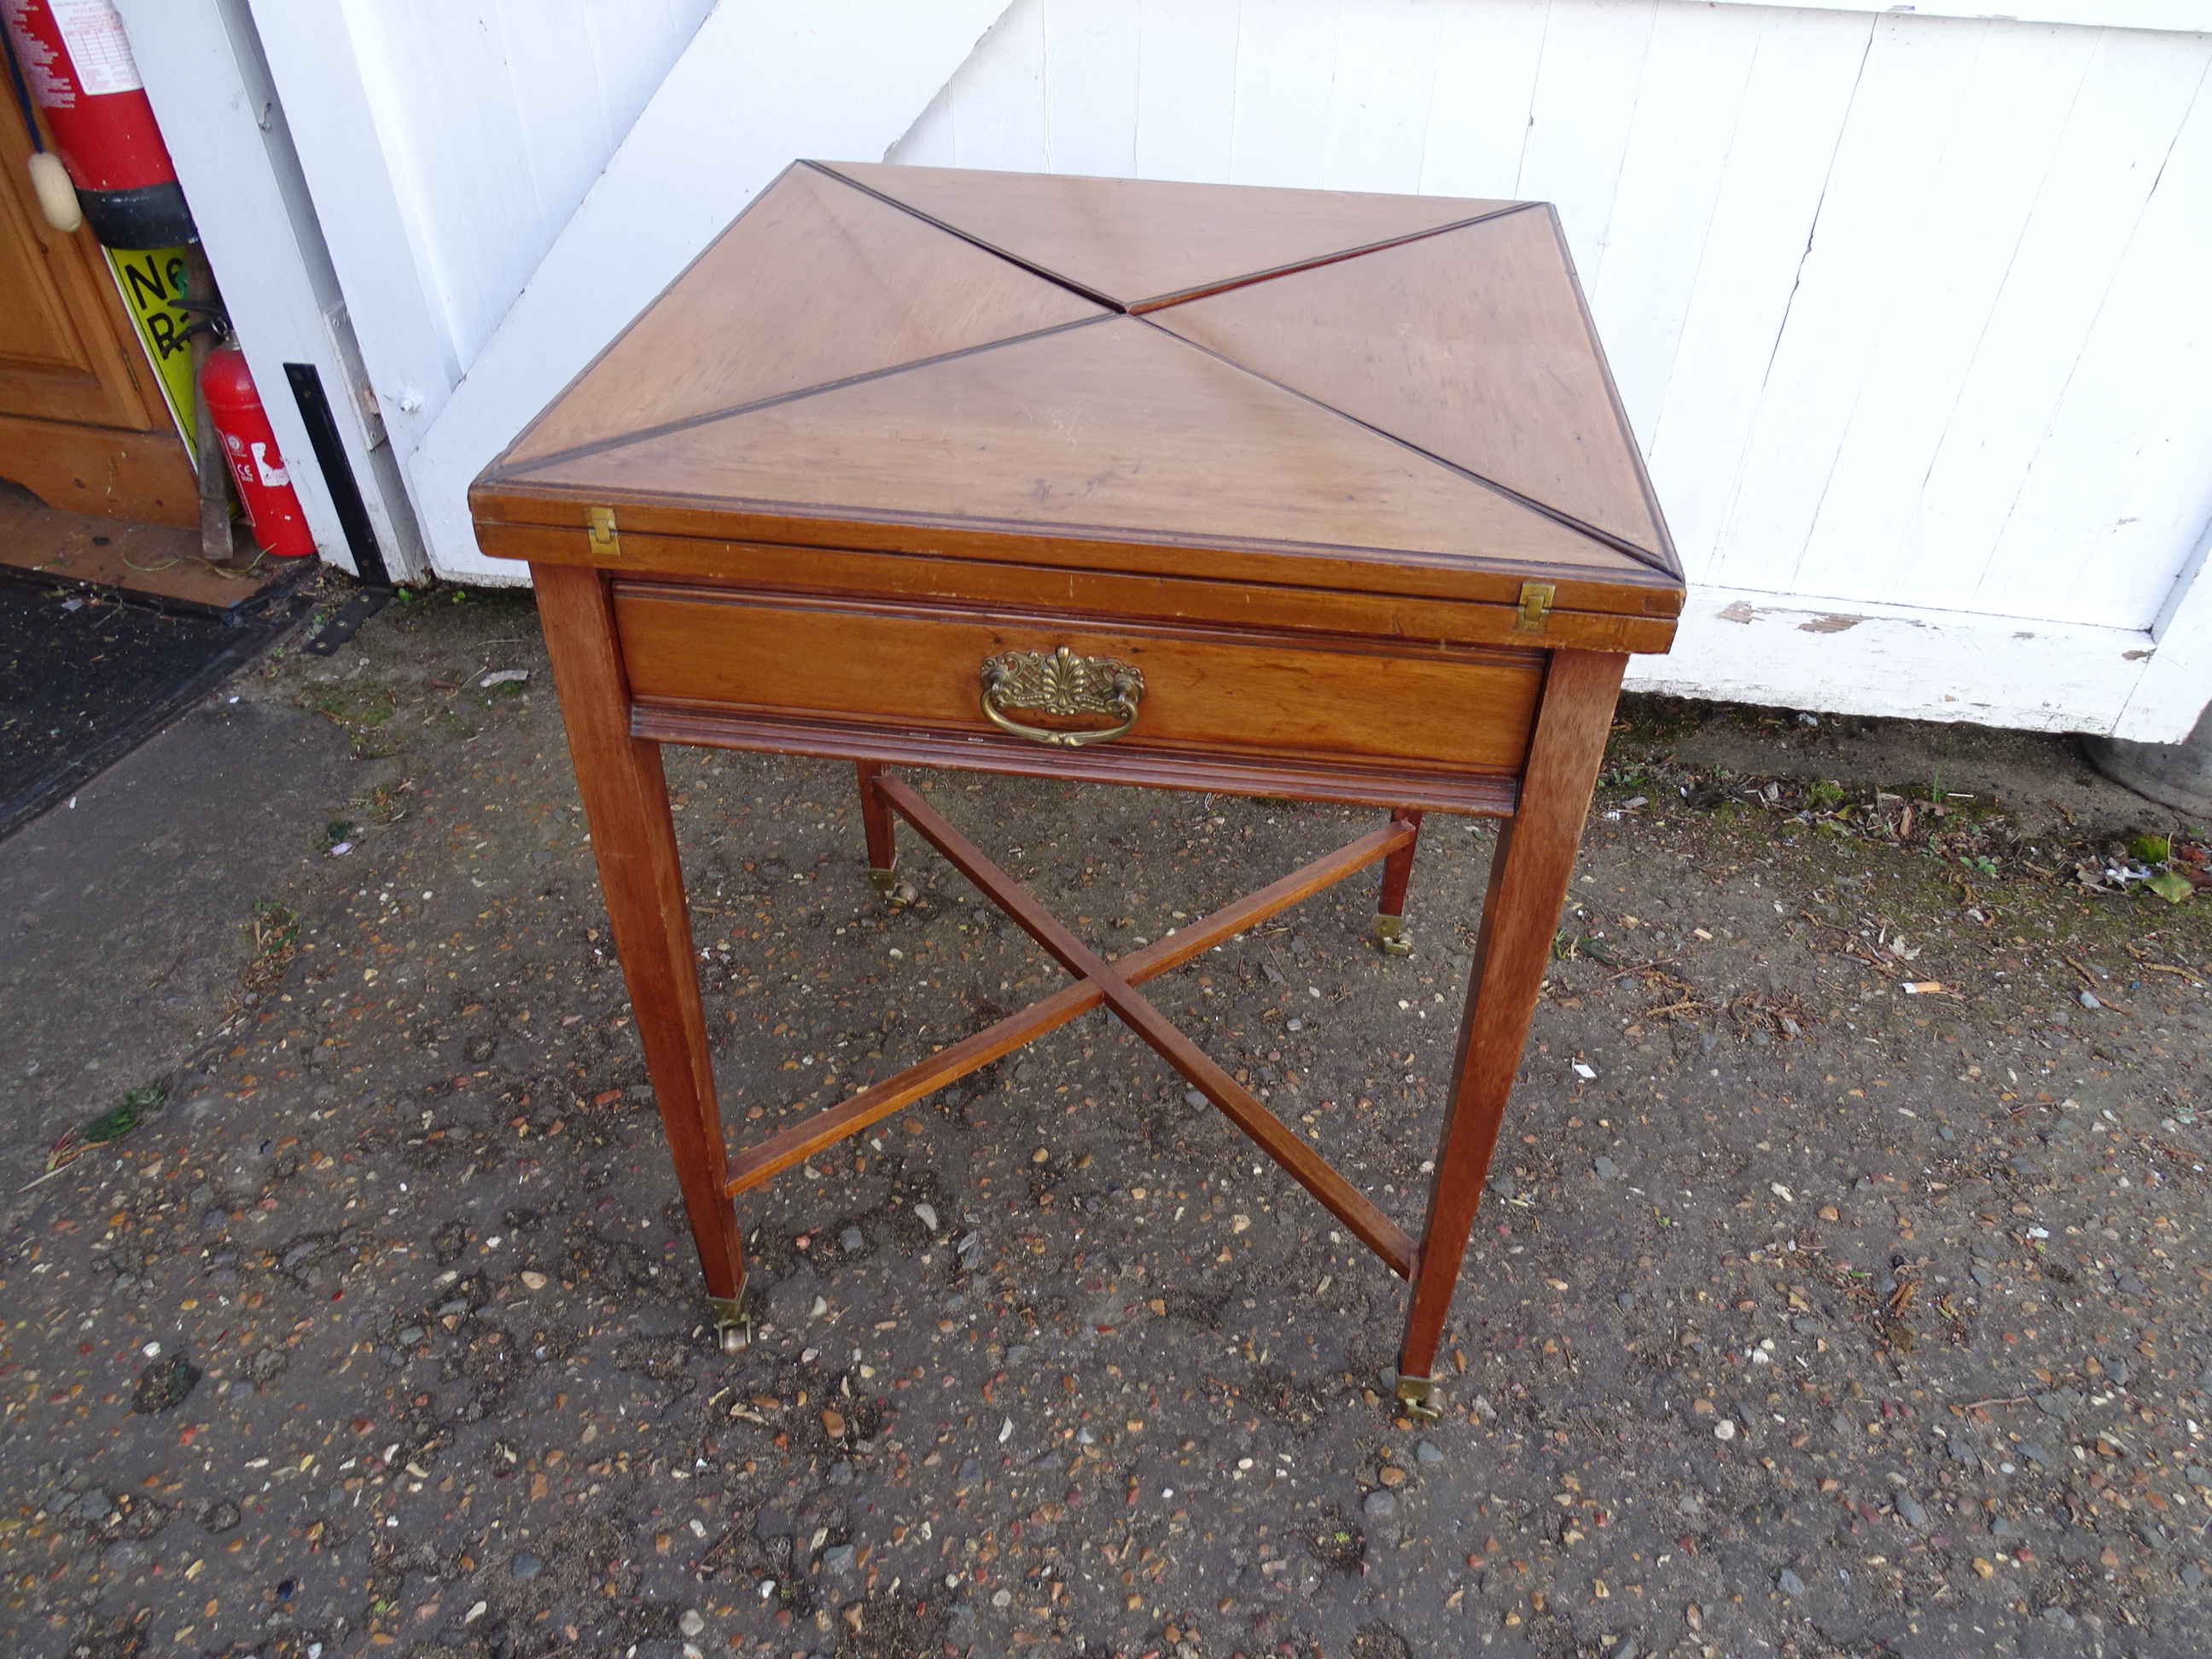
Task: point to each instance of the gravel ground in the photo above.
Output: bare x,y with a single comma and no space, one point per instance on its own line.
1807,1313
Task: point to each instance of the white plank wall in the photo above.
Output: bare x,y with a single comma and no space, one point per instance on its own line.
760,82
1907,312
446,143
494,116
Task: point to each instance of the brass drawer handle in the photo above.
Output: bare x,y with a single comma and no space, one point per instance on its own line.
1062,683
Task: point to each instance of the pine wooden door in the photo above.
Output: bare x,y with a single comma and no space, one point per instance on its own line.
82,425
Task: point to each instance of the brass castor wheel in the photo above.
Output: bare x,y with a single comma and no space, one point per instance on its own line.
1417,1395
1391,937
734,1320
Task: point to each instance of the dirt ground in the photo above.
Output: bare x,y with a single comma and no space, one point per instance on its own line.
1809,1313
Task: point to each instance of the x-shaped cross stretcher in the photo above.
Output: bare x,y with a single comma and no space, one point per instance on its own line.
1114,986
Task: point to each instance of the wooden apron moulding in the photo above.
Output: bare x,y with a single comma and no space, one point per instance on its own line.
1285,492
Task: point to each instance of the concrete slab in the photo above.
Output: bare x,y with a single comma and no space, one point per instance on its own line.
127,912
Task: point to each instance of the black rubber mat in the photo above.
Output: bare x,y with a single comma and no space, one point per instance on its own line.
85,676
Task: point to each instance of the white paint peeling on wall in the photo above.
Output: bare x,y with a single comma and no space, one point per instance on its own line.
1886,660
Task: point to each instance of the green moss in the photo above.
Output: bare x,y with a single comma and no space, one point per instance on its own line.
356,707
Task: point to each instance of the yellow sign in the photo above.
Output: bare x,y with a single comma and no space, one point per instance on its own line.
153,282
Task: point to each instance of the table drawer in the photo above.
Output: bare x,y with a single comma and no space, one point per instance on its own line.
1206,692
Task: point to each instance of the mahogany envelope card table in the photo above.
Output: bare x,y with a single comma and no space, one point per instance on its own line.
1273,492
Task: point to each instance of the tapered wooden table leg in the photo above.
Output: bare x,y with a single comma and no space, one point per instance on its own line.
1390,907
882,831
1529,876
626,798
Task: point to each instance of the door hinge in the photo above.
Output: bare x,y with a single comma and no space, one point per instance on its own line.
1535,606
599,527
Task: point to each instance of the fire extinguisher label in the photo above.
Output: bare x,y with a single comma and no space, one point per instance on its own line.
97,45
271,476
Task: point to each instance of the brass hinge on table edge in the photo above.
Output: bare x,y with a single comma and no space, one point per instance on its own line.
599,529
1536,605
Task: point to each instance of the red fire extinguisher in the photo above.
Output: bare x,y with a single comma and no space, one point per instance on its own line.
77,62
250,446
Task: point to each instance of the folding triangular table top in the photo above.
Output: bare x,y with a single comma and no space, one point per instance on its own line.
1323,381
